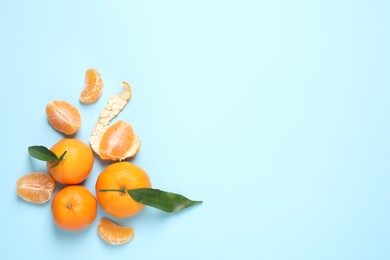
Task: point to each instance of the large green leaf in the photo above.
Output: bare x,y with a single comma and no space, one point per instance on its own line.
166,201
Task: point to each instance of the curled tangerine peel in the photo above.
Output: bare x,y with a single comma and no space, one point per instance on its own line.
35,187
93,87
119,142
63,116
113,233
114,106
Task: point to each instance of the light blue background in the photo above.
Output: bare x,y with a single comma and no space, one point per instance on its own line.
275,113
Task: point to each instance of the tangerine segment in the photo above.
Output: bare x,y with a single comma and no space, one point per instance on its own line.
63,116
93,87
35,187
74,208
114,106
76,164
118,176
113,233
119,142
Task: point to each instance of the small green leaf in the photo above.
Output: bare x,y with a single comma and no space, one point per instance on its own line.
42,153
166,201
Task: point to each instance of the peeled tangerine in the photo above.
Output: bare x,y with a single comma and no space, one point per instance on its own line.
118,141
35,187
113,233
63,116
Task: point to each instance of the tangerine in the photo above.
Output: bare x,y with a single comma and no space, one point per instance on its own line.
74,208
121,176
76,164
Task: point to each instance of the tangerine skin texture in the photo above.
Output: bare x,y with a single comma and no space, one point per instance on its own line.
74,208
77,163
117,176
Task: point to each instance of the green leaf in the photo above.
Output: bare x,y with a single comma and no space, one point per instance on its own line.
42,153
166,201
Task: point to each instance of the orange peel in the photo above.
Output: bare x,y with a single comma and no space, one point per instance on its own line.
114,106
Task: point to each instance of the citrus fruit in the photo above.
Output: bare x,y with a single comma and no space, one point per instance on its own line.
114,106
35,187
76,164
74,208
119,142
121,176
113,233
93,87
63,116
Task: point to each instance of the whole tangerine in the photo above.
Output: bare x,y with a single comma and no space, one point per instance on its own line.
74,208
121,176
76,164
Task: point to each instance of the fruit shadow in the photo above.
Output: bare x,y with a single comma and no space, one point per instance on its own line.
105,163
148,215
60,134
30,204
69,234
36,165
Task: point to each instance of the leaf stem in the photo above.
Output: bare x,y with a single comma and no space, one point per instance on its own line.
112,190
59,160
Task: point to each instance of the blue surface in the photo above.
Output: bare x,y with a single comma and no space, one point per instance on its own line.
275,113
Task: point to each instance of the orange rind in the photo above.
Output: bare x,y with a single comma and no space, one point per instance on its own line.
105,138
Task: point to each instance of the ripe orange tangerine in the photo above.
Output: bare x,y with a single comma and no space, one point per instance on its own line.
121,176
74,208
76,164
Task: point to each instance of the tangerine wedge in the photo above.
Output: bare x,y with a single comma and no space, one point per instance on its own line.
119,142
35,187
93,87
63,116
113,233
